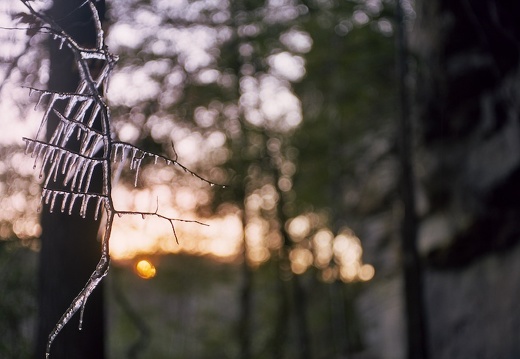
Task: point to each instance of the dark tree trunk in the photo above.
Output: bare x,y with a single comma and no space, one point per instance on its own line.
283,309
70,249
412,268
300,306
246,293
290,289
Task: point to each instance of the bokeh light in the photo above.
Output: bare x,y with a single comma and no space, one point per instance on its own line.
145,269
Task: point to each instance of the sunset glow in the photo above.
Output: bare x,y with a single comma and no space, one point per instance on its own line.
133,236
337,257
219,236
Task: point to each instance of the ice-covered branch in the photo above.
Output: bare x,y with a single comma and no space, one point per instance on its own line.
76,168
68,198
80,301
158,215
121,151
80,143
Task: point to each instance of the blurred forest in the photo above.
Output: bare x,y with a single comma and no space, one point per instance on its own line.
369,152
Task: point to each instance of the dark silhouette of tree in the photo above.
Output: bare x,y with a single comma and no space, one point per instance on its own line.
417,343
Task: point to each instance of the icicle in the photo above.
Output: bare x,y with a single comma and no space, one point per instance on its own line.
50,174
49,151
84,205
74,99
99,29
46,155
41,147
57,133
91,166
99,205
137,167
35,164
123,153
80,113
35,149
80,167
41,95
43,198
48,194
68,156
132,160
28,144
71,168
78,136
83,86
85,142
136,177
54,98
104,75
95,146
82,171
155,158
64,201
80,325
67,133
53,201
62,40
93,115
56,165
115,148
72,201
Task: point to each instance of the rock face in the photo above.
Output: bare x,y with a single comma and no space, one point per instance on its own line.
473,311
468,105
469,120
467,167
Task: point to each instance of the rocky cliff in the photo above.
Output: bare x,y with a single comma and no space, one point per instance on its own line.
467,167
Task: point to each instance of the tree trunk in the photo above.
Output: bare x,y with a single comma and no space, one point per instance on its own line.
412,268
69,246
246,293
